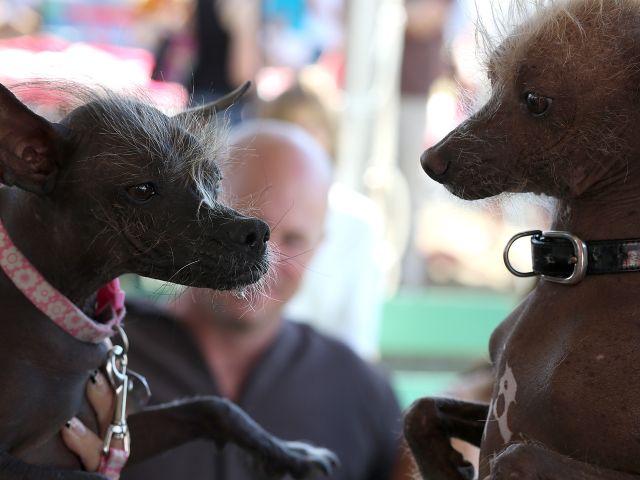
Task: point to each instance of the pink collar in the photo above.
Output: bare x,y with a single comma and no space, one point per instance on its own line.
109,302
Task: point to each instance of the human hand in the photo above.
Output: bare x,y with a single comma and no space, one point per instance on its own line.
82,441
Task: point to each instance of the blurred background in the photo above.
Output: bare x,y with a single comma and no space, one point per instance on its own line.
409,276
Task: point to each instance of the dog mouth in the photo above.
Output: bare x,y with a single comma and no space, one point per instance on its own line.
468,182
471,191
219,273
241,281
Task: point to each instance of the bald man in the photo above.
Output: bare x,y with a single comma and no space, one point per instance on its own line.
295,382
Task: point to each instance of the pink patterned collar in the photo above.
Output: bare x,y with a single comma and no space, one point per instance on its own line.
109,302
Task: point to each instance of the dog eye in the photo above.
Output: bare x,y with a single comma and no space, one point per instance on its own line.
537,105
142,193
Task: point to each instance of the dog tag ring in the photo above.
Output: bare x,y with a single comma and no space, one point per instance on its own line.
507,249
116,370
579,259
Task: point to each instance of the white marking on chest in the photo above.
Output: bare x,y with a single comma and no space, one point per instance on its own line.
507,389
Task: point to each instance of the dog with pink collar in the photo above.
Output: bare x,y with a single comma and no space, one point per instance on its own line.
115,187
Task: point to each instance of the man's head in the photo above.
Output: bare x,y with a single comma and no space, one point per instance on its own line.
281,175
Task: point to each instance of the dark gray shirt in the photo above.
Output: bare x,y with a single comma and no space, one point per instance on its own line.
305,387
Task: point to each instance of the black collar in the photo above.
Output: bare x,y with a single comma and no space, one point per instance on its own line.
564,258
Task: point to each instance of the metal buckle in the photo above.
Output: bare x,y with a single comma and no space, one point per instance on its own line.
579,260
116,369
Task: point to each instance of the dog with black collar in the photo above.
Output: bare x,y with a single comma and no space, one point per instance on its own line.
562,120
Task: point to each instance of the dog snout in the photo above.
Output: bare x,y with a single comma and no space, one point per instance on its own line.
435,163
250,233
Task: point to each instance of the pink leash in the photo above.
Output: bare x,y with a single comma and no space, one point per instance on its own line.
69,318
112,463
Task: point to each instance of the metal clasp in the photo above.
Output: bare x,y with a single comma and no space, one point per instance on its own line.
505,253
579,260
116,369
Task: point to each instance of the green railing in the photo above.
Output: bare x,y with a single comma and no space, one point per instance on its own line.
428,338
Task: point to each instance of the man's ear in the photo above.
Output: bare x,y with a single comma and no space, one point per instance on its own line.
31,147
205,112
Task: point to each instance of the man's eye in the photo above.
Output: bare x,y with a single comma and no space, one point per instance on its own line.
294,241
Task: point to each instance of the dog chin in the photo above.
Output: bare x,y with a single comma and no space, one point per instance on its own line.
216,277
212,278
466,193
238,282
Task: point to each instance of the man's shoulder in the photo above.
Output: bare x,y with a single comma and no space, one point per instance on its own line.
154,327
142,310
164,351
333,355
320,344
150,318
362,390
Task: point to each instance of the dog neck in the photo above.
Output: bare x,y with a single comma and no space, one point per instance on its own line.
109,302
597,218
70,269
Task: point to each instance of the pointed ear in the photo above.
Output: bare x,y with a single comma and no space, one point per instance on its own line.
31,147
205,112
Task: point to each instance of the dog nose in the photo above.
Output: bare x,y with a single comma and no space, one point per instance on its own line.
434,163
249,232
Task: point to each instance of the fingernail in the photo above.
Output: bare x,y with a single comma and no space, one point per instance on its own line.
77,427
100,382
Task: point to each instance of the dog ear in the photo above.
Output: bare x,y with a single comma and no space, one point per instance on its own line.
31,147
205,112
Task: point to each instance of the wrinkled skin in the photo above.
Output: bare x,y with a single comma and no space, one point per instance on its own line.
565,402
85,206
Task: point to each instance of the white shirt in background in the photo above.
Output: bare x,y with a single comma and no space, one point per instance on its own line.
342,291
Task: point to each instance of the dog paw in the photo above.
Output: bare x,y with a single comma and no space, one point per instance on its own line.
463,469
518,460
300,460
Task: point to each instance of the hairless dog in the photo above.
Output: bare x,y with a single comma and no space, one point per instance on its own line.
116,186
562,120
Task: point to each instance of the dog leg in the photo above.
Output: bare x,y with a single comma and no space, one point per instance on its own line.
13,469
163,427
429,426
529,461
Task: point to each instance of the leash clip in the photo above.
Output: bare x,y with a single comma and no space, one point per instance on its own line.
116,369
579,259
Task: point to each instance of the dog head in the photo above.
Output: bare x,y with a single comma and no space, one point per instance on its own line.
563,110
134,190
